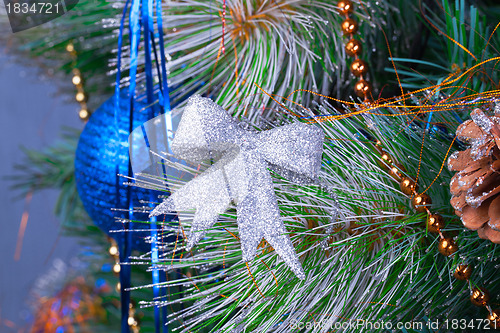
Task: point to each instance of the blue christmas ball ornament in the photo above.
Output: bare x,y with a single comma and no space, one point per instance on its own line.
102,154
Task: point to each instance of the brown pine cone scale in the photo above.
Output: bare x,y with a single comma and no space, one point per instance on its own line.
475,188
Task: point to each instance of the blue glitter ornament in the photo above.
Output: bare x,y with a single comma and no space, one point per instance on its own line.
102,154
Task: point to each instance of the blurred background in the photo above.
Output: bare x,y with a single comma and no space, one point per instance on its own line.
31,240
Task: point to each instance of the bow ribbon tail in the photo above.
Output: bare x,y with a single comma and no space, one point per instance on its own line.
203,220
284,247
259,217
208,194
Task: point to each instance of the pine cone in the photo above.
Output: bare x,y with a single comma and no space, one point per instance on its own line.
475,188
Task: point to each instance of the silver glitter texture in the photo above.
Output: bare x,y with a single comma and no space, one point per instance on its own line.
453,156
481,120
240,174
477,148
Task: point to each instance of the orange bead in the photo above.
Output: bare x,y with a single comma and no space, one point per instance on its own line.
349,26
345,7
494,318
353,47
386,158
479,296
362,88
395,172
447,246
408,186
435,222
359,67
462,272
421,202
84,114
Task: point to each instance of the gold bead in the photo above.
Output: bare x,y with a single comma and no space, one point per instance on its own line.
435,222
80,97
70,47
131,321
408,186
84,114
345,7
349,26
395,171
363,88
462,272
116,268
76,80
479,296
494,318
359,67
386,158
420,202
353,47
113,250
447,246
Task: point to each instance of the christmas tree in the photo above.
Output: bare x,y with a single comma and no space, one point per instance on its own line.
387,220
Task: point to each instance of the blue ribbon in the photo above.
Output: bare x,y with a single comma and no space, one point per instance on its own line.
118,66
165,102
147,19
165,93
164,99
125,244
134,36
144,7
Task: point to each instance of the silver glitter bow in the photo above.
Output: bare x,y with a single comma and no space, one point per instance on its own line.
207,132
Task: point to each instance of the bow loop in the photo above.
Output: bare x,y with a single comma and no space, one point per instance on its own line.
294,151
241,175
205,132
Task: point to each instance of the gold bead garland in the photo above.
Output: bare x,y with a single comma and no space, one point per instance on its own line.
115,254
420,201
434,224
353,48
132,320
77,81
113,251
